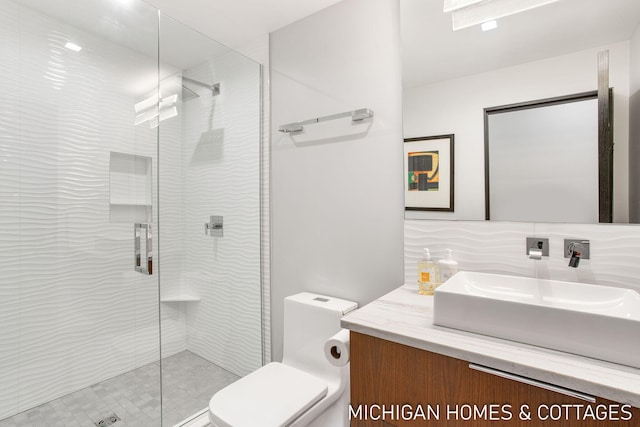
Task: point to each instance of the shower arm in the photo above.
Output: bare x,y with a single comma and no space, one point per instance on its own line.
214,88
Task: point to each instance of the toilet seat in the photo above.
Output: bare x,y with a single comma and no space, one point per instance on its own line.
273,396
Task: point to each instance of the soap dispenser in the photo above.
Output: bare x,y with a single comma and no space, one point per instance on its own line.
427,274
447,266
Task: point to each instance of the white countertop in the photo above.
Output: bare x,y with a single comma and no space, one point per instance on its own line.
405,317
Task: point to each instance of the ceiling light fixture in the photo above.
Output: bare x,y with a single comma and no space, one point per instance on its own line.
451,5
146,103
72,46
467,13
489,25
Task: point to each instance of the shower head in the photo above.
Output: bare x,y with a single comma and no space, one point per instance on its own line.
188,94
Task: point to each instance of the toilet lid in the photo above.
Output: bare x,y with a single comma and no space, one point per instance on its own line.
272,396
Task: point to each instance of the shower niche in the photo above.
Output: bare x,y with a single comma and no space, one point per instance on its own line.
130,189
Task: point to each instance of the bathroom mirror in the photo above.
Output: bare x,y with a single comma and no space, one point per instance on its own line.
451,77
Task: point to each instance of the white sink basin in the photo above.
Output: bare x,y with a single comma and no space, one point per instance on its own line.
595,321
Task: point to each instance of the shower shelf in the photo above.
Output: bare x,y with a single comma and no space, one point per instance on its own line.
180,298
130,188
129,203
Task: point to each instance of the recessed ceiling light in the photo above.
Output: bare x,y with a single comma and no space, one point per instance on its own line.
489,25
72,46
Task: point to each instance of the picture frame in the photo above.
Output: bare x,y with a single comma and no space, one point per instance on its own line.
429,173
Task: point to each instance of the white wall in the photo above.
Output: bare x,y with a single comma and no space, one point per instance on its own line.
634,129
456,106
337,204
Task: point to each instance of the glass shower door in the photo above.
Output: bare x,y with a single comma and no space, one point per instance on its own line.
129,211
209,219
79,334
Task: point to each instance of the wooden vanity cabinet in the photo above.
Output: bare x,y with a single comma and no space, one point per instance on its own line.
406,381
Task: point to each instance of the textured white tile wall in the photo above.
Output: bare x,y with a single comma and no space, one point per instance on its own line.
499,247
221,161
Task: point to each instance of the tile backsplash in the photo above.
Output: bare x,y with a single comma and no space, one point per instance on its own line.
500,247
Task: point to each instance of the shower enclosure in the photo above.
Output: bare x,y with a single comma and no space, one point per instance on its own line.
130,286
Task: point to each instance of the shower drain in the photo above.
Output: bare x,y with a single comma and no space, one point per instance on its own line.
107,421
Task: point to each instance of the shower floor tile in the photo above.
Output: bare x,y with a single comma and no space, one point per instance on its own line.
188,381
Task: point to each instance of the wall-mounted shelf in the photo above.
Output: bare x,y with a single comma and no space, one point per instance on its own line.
129,203
180,298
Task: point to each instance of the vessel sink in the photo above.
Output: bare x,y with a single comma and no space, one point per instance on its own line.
601,322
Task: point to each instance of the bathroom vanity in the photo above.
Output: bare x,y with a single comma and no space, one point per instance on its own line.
407,372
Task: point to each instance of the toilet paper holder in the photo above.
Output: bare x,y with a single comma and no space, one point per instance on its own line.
335,352
336,348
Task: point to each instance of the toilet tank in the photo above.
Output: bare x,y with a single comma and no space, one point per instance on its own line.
309,320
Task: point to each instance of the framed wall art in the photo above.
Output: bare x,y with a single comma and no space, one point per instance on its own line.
428,173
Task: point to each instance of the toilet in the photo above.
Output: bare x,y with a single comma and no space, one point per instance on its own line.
306,389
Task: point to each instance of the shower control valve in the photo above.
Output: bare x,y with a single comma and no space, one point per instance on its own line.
215,226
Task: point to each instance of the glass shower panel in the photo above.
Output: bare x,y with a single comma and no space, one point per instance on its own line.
209,219
10,252
79,339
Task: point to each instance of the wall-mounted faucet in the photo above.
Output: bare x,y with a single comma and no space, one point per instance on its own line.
575,250
537,247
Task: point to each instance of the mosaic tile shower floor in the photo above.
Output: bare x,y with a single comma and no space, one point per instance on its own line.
189,381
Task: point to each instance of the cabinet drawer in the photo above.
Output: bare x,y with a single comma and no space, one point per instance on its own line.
396,385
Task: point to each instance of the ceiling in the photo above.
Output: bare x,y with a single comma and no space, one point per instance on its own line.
236,22
431,50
